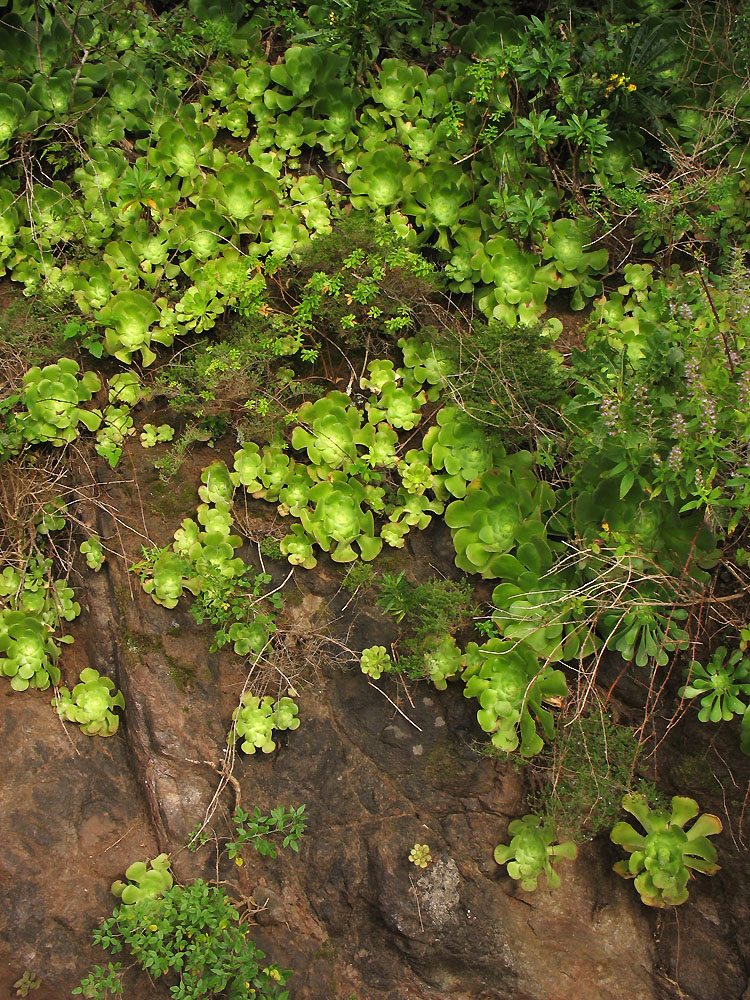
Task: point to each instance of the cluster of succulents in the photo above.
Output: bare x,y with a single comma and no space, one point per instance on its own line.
255,720
512,686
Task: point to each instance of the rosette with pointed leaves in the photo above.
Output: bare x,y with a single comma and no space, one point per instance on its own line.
375,661
338,521
330,430
661,859
501,510
144,882
723,685
28,654
532,852
511,685
647,629
52,396
91,704
458,445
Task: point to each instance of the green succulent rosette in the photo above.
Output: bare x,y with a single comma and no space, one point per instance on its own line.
662,859
723,685
145,881
532,852
91,704
500,510
511,686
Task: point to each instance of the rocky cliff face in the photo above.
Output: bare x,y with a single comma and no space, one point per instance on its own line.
380,766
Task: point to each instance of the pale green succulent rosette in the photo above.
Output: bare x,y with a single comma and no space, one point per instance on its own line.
91,704
532,852
662,858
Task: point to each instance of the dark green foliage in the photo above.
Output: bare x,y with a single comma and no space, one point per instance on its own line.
427,612
358,281
594,763
194,934
510,380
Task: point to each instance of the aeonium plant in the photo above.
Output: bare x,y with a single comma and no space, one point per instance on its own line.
662,858
91,704
723,685
532,852
144,882
52,396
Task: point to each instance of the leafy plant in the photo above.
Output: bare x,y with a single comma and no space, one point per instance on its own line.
257,829
92,550
146,880
662,859
593,764
194,933
532,852
91,704
375,660
420,855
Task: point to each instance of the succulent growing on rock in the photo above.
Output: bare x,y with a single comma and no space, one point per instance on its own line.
29,655
531,853
511,685
661,859
92,550
723,685
375,661
338,521
91,704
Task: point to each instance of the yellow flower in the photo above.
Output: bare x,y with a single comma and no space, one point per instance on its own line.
632,87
